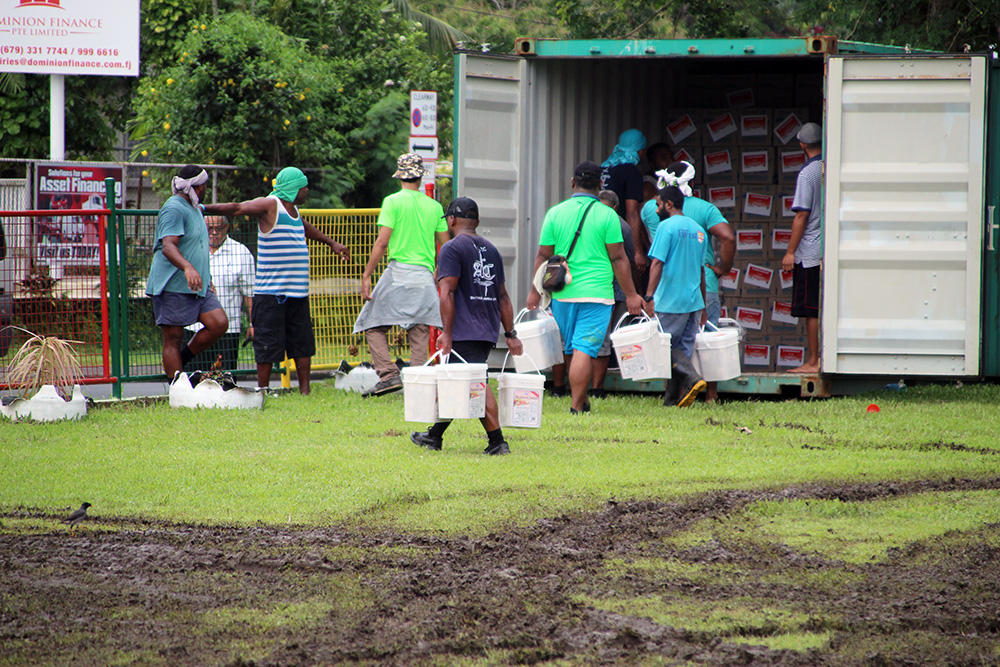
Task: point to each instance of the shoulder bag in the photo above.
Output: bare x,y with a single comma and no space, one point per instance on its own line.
557,274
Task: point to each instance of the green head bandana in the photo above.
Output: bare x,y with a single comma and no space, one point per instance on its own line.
288,183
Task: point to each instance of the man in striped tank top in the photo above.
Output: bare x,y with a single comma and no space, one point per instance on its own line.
280,315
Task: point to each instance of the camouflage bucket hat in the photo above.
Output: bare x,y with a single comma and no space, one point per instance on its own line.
409,165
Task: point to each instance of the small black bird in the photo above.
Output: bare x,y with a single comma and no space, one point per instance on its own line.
76,517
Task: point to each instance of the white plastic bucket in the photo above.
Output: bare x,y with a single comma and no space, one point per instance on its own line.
520,398
717,354
461,390
540,338
420,394
639,350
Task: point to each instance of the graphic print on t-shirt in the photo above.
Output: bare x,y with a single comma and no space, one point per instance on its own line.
482,271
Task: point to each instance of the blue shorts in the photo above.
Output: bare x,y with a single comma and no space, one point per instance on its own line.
682,327
175,309
582,325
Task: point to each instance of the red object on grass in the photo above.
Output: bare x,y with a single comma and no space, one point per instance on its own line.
872,408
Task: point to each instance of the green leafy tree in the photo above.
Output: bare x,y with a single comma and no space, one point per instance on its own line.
940,25
243,92
24,120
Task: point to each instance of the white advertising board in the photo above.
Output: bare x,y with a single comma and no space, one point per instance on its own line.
70,37
423,113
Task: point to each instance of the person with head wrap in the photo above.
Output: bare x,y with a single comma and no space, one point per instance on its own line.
280,317
708,216
409,225
179,275
620,173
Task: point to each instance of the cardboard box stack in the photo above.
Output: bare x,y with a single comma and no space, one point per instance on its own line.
739,132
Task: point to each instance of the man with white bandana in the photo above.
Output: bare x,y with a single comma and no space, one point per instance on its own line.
712,221
280,317
179,275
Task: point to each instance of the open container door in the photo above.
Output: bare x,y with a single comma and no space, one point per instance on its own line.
903,215
489,109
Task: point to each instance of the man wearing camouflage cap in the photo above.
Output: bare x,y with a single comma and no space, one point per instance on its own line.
408,225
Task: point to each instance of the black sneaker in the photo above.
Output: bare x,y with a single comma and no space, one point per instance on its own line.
597,393
395,383
558,391
426,440
499,449
574,411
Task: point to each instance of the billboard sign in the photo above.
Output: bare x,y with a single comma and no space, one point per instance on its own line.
70,37
71,240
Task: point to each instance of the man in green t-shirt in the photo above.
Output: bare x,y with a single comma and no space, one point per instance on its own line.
408,226
583,308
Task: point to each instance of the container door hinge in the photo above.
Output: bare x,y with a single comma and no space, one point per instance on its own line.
990,227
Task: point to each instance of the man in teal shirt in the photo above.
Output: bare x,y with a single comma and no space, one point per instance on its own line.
583,308
677,287
179,277
712,221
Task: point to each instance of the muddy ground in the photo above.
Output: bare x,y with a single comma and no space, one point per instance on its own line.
135,592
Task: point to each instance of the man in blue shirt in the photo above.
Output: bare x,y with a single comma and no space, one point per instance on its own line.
677,288
712,221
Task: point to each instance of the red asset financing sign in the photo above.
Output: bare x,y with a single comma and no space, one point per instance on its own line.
70,37
71,240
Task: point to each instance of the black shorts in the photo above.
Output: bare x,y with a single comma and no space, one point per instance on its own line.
805,291
473,351
281,325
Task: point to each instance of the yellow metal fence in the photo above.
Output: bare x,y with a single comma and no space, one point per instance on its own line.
335,287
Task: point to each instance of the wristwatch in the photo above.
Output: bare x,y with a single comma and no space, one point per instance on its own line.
510,334
647,298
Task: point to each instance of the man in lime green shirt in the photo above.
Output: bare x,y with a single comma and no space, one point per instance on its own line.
410,224
583,308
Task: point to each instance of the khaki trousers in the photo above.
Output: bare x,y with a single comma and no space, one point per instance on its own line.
378,344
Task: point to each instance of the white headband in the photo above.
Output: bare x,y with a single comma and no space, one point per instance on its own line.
186,185
666,178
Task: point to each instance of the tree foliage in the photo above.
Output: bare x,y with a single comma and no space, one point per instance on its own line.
940,25
243,92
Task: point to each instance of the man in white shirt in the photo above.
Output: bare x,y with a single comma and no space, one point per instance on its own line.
232,267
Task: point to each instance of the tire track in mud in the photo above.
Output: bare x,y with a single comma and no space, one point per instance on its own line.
511,593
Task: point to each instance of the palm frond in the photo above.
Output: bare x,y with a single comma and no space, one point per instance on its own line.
440,35
11,82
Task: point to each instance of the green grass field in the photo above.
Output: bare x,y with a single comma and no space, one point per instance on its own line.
334,457
812,531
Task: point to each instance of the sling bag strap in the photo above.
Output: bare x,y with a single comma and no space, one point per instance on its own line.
579,229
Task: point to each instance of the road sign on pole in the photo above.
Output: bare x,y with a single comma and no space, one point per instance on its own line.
423,113
425,147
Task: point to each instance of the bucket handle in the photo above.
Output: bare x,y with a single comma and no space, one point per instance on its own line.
504,365
524,311
432,358
645,318
444,357
729,323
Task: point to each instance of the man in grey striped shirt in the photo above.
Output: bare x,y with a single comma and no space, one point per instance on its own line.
805,249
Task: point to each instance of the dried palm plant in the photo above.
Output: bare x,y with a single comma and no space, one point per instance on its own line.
45,360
